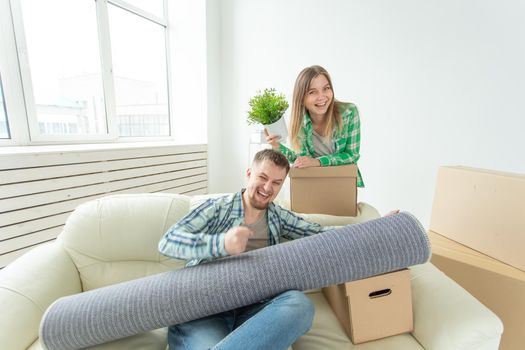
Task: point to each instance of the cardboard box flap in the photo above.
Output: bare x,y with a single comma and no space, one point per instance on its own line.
482,209
453,250
327,171
485,171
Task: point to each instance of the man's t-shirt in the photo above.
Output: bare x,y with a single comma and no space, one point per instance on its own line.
260,233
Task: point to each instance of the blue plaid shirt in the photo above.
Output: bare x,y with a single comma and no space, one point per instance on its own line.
200,234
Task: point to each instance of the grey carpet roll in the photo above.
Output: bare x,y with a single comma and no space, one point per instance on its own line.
349,253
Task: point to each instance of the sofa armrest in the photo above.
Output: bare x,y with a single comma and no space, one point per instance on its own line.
447,317
28,286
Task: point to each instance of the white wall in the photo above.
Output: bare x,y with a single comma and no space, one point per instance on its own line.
188,70
436,82
214,62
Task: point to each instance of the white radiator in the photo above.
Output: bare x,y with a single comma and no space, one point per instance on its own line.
38,190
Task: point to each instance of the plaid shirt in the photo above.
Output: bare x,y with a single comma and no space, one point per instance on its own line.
346,141
200,234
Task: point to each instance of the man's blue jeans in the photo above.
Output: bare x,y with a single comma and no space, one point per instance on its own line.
272,324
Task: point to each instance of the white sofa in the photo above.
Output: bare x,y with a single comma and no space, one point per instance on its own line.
115,238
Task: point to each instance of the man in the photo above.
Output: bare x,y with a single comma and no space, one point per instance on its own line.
231,225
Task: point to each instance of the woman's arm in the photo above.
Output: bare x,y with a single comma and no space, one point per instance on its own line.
273,140
288,153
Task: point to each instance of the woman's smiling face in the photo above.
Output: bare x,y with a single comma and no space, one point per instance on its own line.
318,96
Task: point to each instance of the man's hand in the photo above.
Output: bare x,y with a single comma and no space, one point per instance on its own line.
306,162
236,240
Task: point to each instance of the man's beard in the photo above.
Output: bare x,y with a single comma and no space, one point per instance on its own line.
257,205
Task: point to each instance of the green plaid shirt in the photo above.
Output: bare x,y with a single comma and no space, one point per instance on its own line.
346,141
200,234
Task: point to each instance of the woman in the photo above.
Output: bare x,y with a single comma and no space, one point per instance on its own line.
323,131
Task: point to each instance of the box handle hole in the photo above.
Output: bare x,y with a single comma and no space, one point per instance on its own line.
380,293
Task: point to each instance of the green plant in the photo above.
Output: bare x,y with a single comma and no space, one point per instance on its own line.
267,107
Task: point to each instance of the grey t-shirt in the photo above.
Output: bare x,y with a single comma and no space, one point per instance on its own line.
323,145
260,233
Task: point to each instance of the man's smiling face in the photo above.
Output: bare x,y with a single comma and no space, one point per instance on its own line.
265,180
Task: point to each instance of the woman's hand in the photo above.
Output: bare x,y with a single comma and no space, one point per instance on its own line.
273,140
306,162
392,212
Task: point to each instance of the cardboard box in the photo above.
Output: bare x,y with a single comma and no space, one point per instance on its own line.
375,307
498,286
324,190
482,209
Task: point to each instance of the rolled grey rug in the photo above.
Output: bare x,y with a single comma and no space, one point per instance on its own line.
345,254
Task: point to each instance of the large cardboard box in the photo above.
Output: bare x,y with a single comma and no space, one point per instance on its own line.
482,209
324,190
375,307
498,286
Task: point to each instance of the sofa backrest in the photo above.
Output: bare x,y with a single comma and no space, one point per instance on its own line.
115,238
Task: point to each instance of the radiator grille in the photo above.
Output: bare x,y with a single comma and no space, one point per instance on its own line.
39,190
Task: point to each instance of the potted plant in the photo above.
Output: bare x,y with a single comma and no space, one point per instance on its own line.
267,108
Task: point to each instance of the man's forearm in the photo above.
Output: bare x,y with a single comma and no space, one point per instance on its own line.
184,245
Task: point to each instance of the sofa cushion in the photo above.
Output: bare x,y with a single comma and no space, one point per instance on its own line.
114,239
154,340
365,212
466,324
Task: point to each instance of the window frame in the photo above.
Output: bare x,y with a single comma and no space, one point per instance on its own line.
12,87
25,129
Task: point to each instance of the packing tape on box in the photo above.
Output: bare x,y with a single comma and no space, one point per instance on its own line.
349,253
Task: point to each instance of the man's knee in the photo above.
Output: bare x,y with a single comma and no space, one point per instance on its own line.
298,307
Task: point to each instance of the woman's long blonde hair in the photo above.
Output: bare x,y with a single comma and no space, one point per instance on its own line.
302,83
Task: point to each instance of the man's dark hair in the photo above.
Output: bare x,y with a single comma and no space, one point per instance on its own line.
275,157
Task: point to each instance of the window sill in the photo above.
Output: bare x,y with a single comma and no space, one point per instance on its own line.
42,149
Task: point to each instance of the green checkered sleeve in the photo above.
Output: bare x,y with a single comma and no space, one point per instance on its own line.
288,153
291,155
347,144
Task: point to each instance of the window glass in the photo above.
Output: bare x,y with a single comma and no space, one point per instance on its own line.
64,60
155,7
139,72
4,128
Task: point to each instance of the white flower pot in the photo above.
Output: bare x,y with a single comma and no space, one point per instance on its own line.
278,128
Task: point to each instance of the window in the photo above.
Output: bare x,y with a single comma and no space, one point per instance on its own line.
4,129
64,62
91,70
139,67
